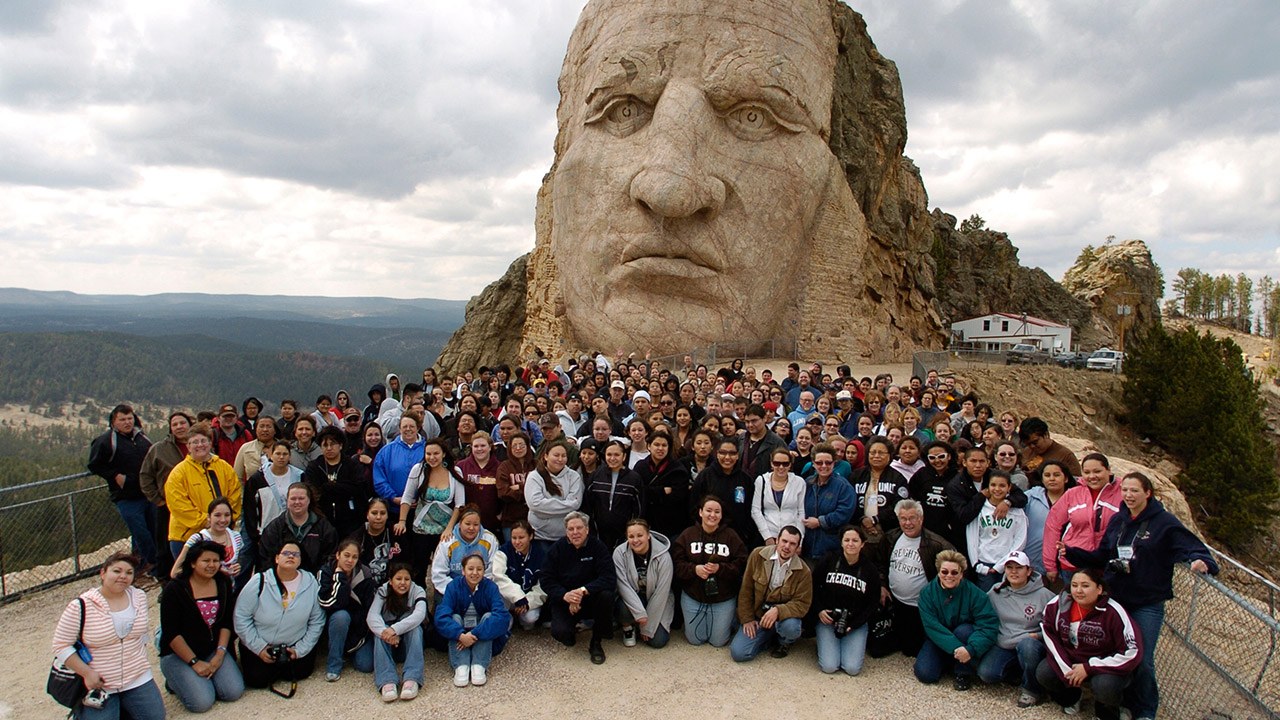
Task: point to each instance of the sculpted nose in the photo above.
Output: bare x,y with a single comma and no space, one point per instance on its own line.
674,182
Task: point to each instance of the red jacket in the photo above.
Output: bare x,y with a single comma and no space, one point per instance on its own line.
226,448
1106,641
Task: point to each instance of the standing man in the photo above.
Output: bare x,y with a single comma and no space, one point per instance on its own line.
229,434
116,456
248,459
759,443
159,461
776,592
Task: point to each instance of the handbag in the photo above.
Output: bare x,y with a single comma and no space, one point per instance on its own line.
881,641
65,685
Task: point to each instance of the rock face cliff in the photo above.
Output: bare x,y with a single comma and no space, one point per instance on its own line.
494,318
1114,275
876,269
979,273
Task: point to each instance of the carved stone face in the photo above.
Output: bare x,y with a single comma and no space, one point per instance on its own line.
693,162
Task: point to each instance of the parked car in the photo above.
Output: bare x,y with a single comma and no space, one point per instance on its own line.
1106,359
1074,360
1026,354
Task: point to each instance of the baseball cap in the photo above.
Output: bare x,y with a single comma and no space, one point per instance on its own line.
1017,556
350,412
618,384
844,395
590,444
548,420
228,408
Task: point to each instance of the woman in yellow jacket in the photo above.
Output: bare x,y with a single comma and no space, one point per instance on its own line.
194,483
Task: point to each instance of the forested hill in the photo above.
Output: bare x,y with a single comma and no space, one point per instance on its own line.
179,370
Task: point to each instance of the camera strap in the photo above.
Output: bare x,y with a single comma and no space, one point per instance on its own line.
1125,552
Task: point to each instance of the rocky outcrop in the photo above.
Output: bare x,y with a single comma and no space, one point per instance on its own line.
1167,491
1114,275
979,273
490,335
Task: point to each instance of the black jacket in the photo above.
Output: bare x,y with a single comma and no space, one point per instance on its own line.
965,503
837,584
667,512
930,490
713,481
180,617
317,538
342,492
568,568
610,511
113,453
351,592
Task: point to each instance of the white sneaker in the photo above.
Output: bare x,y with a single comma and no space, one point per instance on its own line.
462,676
478,676
1071,709
389,693
409,691
629,636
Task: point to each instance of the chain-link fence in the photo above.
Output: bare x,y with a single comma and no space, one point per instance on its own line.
1218,651
725,352
54,530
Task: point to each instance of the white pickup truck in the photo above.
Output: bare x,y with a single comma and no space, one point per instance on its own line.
1106,359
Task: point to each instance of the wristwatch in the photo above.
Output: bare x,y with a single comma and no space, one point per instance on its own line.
192,662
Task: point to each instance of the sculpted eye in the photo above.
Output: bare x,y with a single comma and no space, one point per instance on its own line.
623,115
752,122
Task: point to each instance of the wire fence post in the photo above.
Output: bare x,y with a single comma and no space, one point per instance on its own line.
75,533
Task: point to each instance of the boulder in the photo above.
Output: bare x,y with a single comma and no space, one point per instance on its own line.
1115,275
1166,491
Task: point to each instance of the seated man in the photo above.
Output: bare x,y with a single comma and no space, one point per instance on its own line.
907,562
776,592
580,582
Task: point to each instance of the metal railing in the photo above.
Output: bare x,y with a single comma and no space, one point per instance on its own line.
724,352
55,530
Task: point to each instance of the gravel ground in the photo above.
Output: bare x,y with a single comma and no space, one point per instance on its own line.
536,678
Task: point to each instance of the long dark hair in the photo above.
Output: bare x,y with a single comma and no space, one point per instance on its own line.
195,551
396,604
541,466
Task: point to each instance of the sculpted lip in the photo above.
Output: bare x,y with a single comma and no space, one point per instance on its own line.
652,256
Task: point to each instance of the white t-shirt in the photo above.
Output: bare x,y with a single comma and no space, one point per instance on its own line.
906,571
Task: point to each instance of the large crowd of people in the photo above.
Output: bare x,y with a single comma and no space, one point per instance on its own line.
619,498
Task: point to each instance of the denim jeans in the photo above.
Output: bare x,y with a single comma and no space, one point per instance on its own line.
141,703
708,622
846,653
197,694
1143,696
659,639
1016,665
481,653
744,648
361,660
932,661
138,516
409,652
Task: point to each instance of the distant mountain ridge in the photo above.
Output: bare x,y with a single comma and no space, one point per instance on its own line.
404,334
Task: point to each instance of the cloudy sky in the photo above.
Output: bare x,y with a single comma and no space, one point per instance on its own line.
369,147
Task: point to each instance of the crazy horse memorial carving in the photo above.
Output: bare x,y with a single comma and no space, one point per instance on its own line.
724,171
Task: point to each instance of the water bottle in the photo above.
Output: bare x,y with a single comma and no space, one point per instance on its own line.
740,495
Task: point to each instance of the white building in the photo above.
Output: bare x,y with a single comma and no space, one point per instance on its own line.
1000,331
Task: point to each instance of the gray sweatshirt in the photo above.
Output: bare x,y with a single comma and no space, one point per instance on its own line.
1020,611
660,609
417,613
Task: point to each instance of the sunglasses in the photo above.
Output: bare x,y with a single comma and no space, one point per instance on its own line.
782,464
290,554
727,453
948,572
822,463
938,457
1006,454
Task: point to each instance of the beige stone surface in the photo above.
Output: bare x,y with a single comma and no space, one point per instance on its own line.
716,180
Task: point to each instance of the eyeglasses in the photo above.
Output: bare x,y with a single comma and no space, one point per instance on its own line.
948,572
727,453
937,456
352,421
822,463
667,402
1006,454
781,464
290,554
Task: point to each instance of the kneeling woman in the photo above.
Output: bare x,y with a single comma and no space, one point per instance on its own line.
473,618
960,625
195,622
395,619
644,569
709,559
515,569
279,621
1091,639
846,591
346,591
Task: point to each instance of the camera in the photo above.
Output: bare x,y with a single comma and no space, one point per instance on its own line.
278,653
95,699
840,621
1118,565
711,586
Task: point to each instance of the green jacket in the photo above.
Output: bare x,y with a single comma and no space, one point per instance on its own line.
941,611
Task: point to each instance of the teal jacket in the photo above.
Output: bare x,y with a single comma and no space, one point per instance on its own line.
941,611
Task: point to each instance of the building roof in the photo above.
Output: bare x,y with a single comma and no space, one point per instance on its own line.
1030,319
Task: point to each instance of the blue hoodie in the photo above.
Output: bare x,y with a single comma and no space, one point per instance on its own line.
447,563
487,600
392,465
